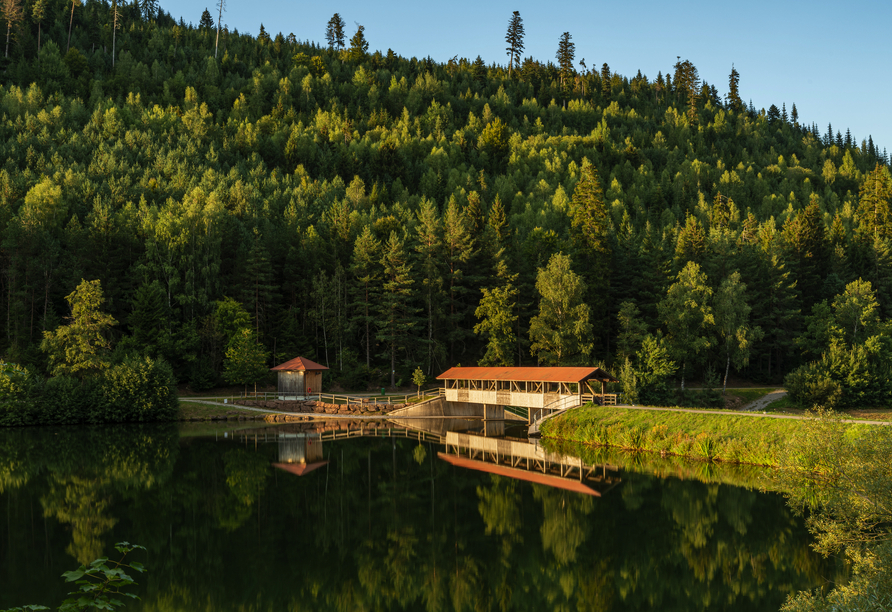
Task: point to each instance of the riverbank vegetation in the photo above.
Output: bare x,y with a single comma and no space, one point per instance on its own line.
839,479
378,213
735,438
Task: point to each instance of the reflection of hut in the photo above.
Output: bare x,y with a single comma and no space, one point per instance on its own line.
300,453
299,378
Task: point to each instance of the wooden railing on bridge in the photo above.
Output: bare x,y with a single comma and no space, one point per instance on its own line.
341,398
566,403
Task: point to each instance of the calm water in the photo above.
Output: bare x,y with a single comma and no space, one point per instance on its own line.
386,524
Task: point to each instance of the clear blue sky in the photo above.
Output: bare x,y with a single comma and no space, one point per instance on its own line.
830,58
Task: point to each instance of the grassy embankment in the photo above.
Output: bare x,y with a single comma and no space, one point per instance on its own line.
710,437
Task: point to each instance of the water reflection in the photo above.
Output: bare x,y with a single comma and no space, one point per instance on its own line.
381,521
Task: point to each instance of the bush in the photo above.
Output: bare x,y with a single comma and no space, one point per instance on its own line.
138,389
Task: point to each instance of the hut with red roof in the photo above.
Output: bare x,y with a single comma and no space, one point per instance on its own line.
299,378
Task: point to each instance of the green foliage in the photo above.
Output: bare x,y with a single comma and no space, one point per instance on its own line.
81,347
559,333
840,480
246,359
297,153
418,378
99,584
687,312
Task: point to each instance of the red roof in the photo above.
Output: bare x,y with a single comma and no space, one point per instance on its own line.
518,474
560,375
299,363
300,468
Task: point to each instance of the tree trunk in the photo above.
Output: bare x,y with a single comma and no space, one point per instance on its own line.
392,362
8,30
727,365
683,364
70,23
38,36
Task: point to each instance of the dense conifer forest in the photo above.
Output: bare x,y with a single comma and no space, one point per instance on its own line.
378,213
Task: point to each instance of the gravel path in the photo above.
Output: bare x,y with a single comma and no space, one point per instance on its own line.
760,404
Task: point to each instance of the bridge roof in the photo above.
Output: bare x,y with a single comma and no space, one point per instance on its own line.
555,374
299,364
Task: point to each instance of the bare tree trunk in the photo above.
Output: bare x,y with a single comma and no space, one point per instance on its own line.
70,23
8,30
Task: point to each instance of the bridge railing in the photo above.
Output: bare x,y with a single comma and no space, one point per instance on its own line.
338,398
570,401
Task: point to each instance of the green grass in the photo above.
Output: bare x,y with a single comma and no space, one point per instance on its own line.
710,437
189,410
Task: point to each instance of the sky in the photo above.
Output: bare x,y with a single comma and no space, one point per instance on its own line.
829,58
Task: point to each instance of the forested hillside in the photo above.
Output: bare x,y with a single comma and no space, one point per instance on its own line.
362,209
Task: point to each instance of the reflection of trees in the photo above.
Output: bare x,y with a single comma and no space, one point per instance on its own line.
377,530
83,504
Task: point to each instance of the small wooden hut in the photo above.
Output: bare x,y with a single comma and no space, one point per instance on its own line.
299,378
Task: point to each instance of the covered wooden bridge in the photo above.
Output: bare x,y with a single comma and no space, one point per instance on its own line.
534,387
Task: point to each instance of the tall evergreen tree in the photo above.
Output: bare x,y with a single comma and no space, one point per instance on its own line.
365,268
334,32
148,8
396,314
12,14
565,55
359,46
514,39
734,101
429,249
38,11
206,22
605,81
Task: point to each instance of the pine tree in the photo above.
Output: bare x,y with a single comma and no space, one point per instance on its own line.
148,8
206,22
334,32
429,249
605,81
263,35
149,316
784,117
478,69
734,101
591,237
81,347
794,115
359,46
458,245
38,10
565,55
12,14
258,289
514,39
806,239
497,319
874,213
774,115
365,268
396,315
74,3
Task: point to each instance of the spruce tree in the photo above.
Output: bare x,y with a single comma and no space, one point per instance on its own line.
565,54
334,32
605,81
794,115
365,268
396,314
734,101
514,39
359,46
429,252
38,11
206,22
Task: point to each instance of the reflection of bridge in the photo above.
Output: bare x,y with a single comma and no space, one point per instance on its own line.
522,460
301,452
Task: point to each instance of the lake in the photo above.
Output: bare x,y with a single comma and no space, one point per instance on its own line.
282,518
